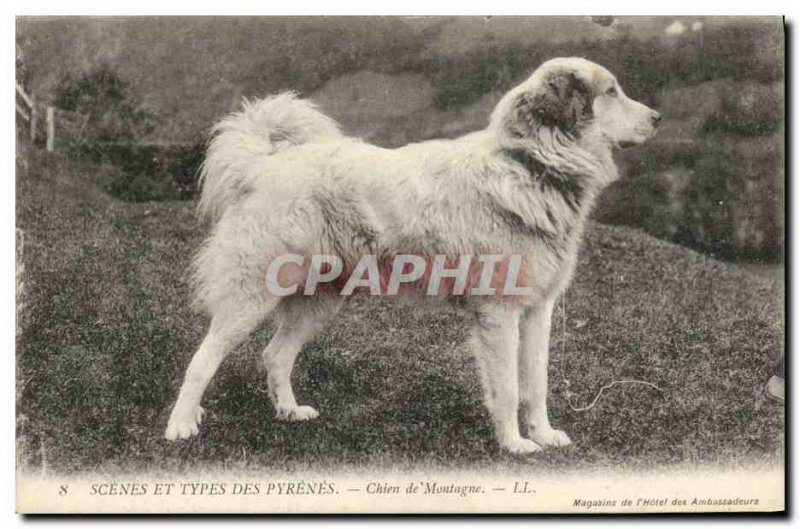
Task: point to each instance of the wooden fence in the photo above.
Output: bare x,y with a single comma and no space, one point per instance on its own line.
29,110
26,109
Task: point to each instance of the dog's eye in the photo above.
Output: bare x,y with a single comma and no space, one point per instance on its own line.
612,92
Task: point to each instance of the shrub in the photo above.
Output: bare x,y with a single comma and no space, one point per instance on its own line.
154,172
112,114
748,110
720,195
114,126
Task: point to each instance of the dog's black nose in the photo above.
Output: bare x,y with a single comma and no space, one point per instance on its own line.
656,117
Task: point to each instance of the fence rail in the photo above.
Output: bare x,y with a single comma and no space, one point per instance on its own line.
66,125
26,107
60,123
23,113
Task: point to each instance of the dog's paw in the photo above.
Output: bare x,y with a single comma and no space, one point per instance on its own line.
547,437
520,445
299,413
183,426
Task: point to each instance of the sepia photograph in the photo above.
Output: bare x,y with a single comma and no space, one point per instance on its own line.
395,264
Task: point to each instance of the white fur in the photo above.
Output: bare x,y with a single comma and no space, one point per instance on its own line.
279,175
262,128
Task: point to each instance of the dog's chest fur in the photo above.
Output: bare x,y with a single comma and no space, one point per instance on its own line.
547,208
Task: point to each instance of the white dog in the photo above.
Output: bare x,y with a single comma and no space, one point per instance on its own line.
280,176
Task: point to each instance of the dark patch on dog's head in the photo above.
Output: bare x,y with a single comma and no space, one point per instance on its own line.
563,101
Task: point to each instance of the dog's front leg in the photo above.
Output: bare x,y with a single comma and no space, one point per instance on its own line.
495,344
533,361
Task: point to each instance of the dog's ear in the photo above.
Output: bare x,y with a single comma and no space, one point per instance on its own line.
561,101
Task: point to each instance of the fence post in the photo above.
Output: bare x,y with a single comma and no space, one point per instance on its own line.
34,117
51,128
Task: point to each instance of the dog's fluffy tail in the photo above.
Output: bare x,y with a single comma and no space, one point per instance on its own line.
260,128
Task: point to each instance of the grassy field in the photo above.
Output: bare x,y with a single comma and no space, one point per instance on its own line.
107,333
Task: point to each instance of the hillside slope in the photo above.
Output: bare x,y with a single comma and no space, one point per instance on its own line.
107,334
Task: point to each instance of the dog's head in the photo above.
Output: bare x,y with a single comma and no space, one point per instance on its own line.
578,99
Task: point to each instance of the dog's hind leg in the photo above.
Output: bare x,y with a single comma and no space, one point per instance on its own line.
298,319
227,330
533,362
495,344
